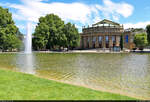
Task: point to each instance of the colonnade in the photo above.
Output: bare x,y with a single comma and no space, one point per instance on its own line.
101,41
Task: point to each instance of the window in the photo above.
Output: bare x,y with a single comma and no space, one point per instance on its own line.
94,39
88,39
100,38
106,38
126,38
107,41
119,38
113,38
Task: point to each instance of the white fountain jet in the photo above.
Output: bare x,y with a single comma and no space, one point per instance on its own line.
26,60
28,39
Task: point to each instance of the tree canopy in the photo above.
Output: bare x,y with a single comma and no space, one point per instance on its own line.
8,31
51,32
148,33
140,40
137,29
72,35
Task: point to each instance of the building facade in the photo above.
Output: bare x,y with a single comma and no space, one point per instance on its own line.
106,34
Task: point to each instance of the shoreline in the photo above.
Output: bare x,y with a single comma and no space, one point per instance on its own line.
75,51
82,51
97,89
81,85
84,86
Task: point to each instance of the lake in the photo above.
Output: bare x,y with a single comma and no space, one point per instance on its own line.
127,74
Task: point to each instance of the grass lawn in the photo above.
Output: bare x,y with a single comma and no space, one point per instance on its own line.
19,86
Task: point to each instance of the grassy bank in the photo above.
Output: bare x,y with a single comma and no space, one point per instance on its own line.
18,86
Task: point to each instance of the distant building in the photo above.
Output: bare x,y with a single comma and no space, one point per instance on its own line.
106,34
137,30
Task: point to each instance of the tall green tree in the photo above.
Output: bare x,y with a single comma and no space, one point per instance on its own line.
51,32
41,36
72,35
8,31
148,33
48,32
140,40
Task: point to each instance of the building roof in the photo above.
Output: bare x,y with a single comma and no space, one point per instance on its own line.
105,21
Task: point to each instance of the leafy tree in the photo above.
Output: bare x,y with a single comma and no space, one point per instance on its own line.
20,35
51,32
41,36
11,42
48,32
140,40
72,35
8,31
148,33
137,29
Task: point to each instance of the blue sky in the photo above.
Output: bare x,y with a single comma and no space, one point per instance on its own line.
130,13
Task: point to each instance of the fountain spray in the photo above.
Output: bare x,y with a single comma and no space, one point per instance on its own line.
28,39
26,59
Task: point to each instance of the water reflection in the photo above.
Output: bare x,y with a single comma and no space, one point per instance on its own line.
134,74
127,74
123,73
26,63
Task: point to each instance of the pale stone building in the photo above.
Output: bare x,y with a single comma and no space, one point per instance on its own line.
106,34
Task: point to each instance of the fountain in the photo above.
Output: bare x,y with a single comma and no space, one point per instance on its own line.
26,59
28,40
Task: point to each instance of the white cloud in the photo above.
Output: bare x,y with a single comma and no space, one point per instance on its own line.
77,12
34,9
136,25
115,9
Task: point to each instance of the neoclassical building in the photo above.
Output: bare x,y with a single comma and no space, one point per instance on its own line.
106,34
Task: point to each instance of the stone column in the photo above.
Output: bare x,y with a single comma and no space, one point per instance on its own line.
97,43
103,42
90,43
129,39
118,41
110,42
85,42
81,42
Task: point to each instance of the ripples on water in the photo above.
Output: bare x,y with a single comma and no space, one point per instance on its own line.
128,73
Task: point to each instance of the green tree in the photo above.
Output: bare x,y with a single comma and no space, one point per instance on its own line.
137,29
148,33
72,35
12,42
51,32
140,40
41,36
48,32
8,31
20,35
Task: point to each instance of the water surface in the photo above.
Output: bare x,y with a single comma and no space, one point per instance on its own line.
127,74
